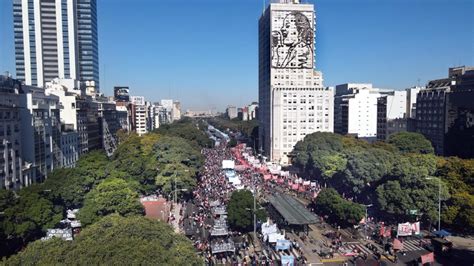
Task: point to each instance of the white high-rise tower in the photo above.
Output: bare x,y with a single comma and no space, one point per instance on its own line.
56,39
293,101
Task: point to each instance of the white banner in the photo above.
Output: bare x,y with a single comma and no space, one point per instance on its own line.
407,229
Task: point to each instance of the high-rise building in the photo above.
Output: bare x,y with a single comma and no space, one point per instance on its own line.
56,39
391,114
231,112
11,161
176,111
139,113
293,101
40,130
445,113
355,110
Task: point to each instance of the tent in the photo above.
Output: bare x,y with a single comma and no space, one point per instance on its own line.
442,233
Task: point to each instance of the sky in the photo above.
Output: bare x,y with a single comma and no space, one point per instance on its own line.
205,52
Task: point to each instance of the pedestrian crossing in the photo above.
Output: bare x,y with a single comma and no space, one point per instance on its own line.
412,245
408,245
269,254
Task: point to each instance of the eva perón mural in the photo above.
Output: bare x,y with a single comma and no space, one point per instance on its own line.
292,39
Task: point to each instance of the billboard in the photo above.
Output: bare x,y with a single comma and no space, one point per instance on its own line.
121,94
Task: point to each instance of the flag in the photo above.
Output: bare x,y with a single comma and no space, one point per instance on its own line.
428,258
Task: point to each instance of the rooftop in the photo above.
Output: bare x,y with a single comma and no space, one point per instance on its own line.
292,210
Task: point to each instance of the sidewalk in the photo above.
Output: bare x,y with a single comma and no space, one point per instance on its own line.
175,210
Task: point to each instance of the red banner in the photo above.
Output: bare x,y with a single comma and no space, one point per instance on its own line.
428,258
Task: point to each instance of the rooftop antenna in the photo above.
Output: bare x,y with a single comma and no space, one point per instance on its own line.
418,82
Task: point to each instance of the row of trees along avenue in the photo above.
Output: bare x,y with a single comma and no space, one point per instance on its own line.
401,177
107,192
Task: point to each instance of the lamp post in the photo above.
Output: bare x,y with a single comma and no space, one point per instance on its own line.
176,190
365,225
439,201
254,210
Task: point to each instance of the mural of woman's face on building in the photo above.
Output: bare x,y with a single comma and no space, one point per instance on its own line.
289,31
292,43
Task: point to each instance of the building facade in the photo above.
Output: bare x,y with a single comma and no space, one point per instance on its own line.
293,102
355,110
40,131
11,162
231,112
56,38
391,114
445,113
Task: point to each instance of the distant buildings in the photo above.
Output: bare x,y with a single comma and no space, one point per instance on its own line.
11,159
56,39
231,112
292,99
391,114
355,110
445,113
40,131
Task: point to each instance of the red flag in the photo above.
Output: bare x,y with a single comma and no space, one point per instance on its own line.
382,231
428,258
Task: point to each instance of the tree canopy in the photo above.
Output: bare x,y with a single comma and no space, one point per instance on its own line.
399,175
330,203
411,142
114,240
113,195
99,185
240,210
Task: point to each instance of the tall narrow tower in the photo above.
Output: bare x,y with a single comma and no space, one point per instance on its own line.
293,102
55,38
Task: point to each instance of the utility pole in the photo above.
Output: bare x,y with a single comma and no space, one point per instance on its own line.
175,190
439,204
254,209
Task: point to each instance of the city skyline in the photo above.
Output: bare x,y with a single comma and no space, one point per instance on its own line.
394,44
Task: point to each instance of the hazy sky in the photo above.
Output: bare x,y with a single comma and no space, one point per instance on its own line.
204,52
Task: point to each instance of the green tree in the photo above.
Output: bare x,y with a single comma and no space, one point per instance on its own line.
113,195
411,142
29,215
114,240
339,210
240,210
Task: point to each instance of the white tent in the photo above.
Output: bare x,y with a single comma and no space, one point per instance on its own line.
228,164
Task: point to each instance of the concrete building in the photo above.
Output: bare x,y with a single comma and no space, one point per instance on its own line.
40,131
69,148
123,116
108,125
444,113
139,114
11,162
459,138
355,110
56,38
252,110
167,104
88,125
231,112
293,101
176,111
391,114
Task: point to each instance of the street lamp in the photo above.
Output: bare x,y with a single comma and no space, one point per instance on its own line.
365,225
439,200
175,191
254,207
